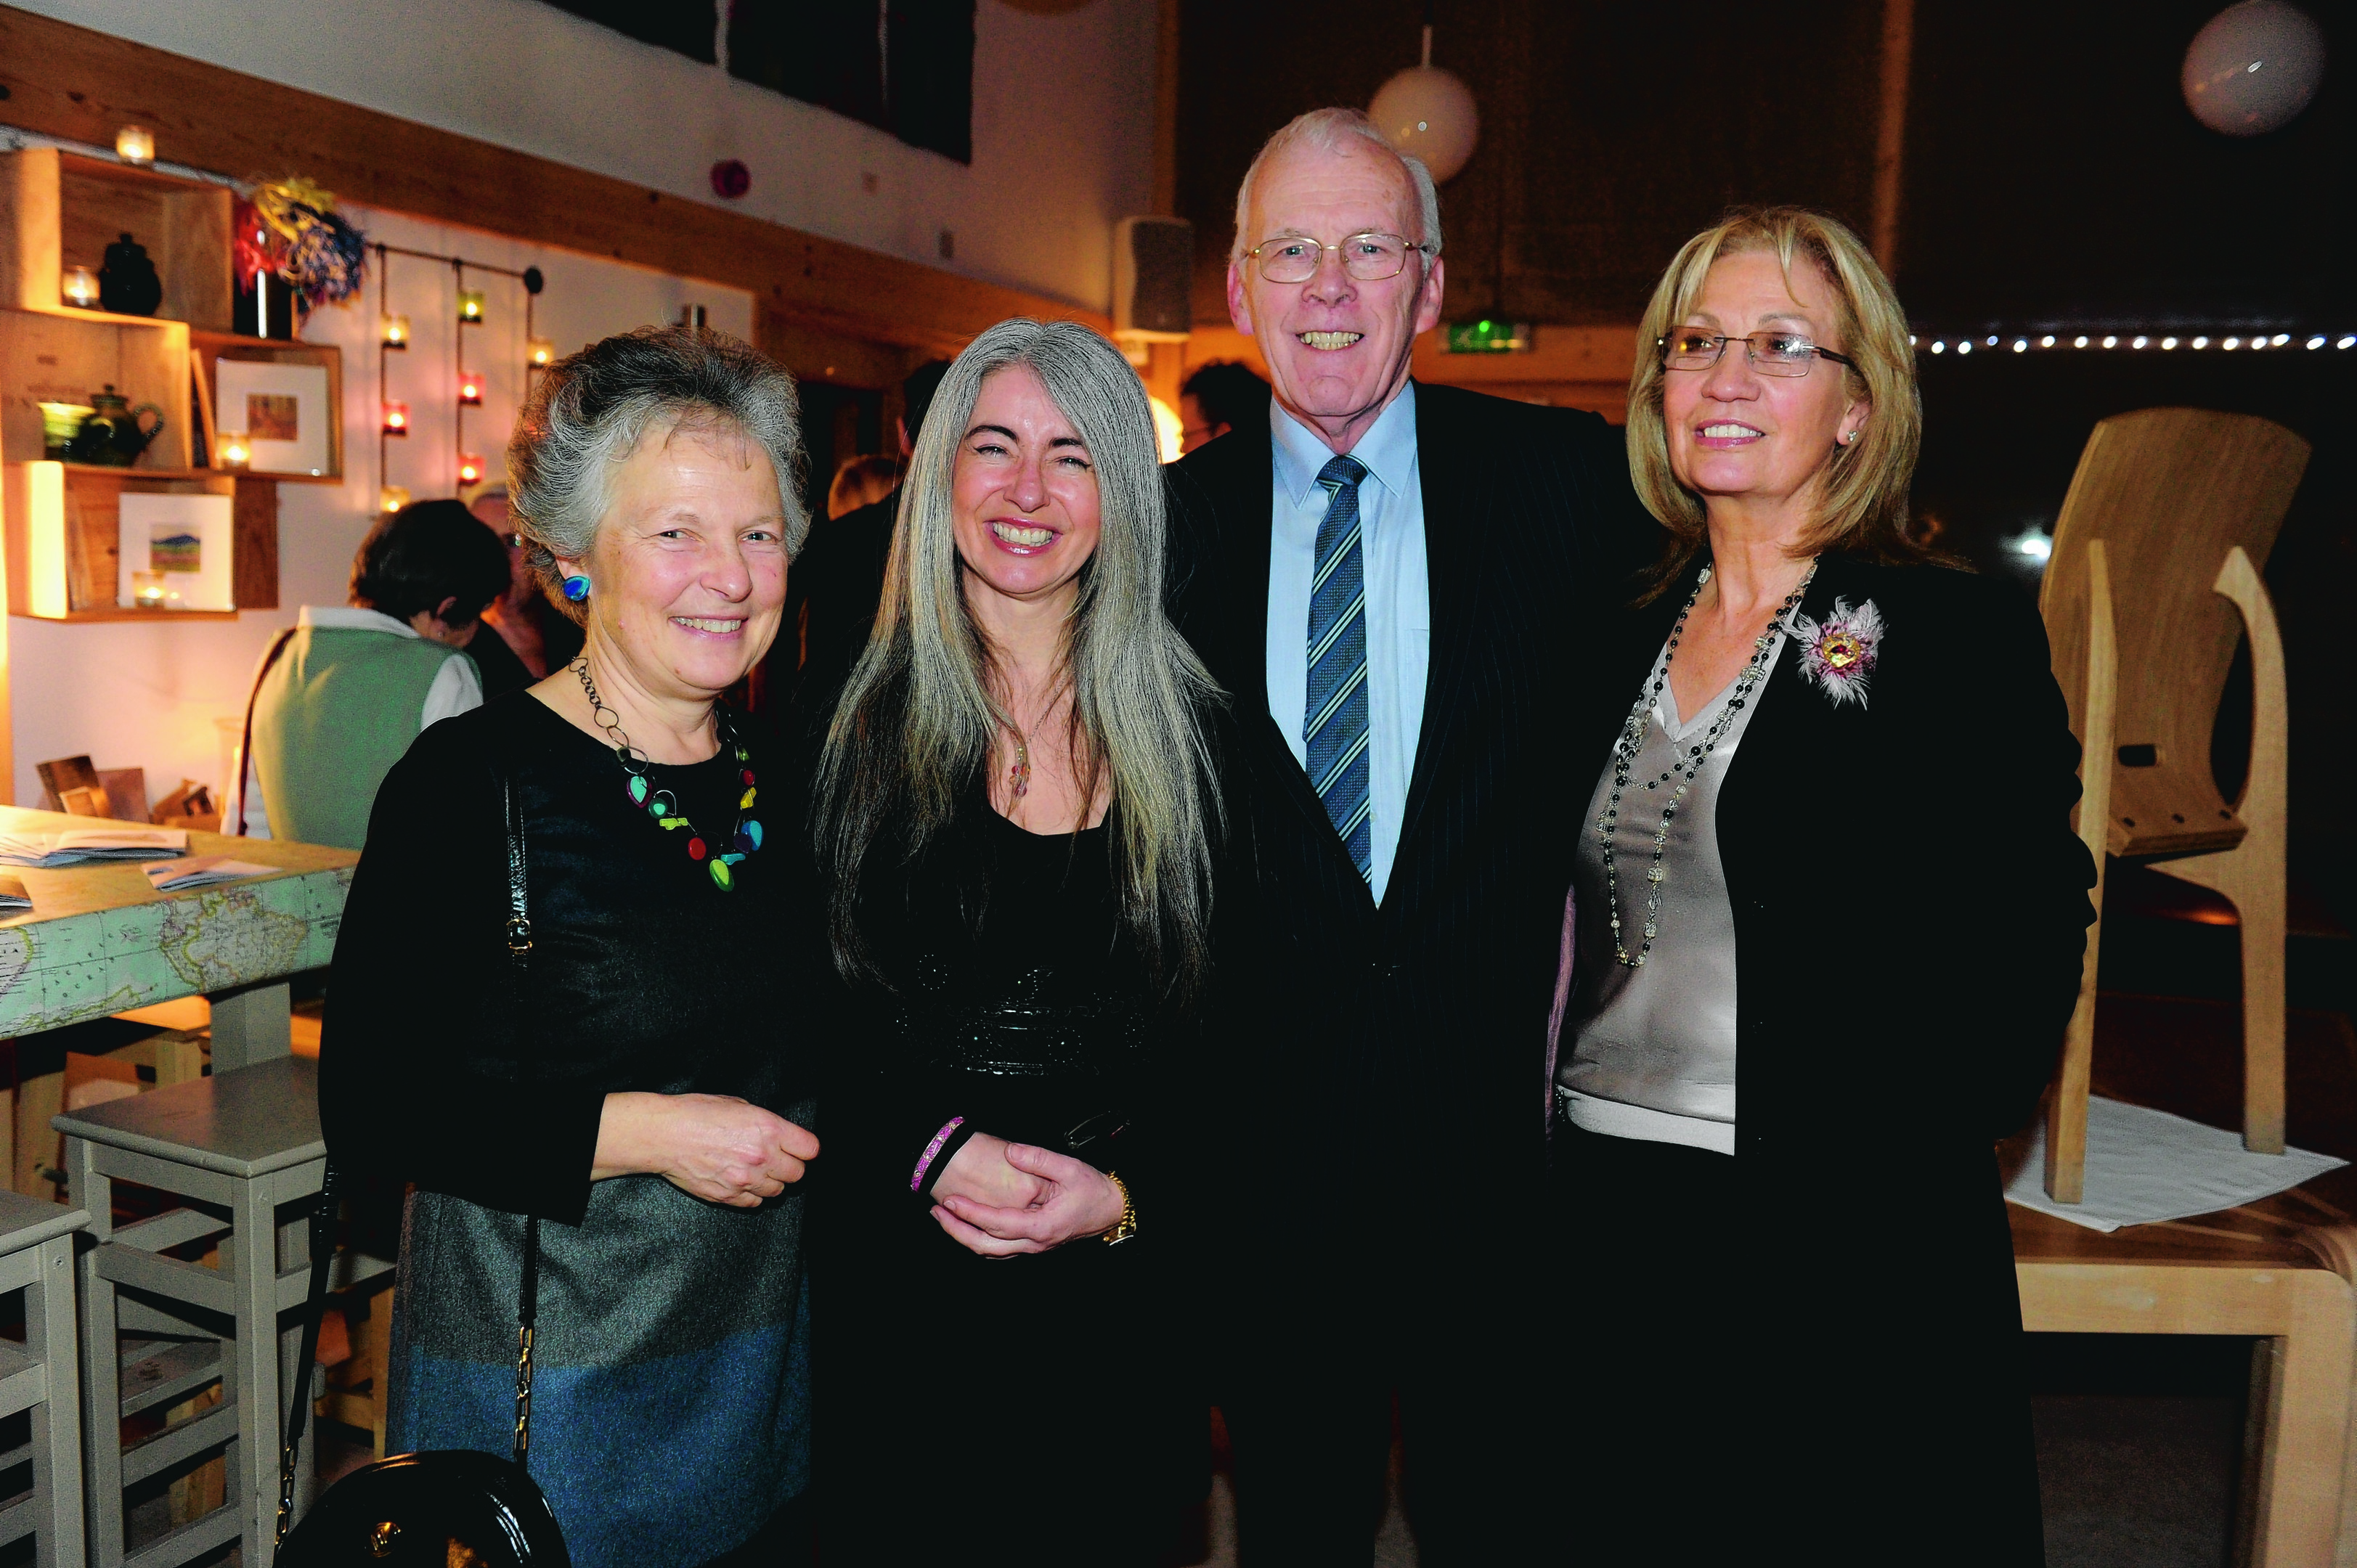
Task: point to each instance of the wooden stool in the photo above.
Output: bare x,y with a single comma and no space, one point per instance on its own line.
36,1257
242,1153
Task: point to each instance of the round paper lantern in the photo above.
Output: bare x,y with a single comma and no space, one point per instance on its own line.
1428,114
2253,67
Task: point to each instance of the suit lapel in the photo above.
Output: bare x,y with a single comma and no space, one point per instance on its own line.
1455,489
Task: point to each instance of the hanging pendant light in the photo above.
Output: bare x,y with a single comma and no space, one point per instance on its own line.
1428,114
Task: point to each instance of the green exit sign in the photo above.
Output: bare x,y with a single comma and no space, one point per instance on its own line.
1488,336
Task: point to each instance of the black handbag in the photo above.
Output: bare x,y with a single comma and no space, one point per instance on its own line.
452,1506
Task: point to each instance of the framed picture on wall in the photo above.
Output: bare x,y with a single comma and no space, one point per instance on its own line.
284,409
174,553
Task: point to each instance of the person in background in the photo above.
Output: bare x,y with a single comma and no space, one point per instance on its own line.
1387,577
831,606
1828,898
1220,398
1014,813
533,637
336,701
641,1090
861,481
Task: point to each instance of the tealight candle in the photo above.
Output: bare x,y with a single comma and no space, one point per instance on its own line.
147,590
232,449
470,305
470,389
80,286
391,497
394,330
397,419
470,468
539,351
135,144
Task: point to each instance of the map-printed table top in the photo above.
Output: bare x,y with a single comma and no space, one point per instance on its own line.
100,939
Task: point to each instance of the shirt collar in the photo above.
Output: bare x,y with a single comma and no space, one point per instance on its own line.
351,618
1388,448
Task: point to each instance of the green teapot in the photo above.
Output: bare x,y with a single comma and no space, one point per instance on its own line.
110,432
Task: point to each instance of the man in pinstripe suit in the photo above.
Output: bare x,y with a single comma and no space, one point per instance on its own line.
1392,582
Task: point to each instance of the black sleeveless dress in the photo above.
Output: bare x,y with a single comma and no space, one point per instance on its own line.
1034,1409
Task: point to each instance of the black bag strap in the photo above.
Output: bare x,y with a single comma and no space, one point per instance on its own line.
519,963
323,1220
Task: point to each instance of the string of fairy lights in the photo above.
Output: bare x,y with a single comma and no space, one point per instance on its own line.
1965,343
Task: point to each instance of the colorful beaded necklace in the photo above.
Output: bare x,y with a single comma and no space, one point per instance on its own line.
663,806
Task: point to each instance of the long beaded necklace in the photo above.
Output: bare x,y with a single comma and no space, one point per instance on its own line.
663,806
1682,768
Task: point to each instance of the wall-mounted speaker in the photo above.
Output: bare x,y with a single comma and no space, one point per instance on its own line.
1153,279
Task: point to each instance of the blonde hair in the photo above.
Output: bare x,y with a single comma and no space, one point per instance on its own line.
911,740
1863,506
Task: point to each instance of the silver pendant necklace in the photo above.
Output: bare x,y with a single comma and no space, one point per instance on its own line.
1682,766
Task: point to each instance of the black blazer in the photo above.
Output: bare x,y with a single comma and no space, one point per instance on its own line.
1420,1025
1911,903
1910,910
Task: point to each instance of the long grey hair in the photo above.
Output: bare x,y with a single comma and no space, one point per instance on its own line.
913,736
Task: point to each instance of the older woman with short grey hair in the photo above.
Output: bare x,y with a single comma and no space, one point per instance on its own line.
628,1100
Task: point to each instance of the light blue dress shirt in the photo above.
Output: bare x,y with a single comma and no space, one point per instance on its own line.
1399,602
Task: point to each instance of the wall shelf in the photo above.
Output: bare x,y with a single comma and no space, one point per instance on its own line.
63,538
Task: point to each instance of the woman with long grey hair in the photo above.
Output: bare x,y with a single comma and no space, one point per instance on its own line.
1016,815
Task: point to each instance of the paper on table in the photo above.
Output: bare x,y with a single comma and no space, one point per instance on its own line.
2144,1165
14,899
81,844
178,875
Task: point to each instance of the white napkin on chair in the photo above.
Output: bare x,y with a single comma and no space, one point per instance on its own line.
2144,1165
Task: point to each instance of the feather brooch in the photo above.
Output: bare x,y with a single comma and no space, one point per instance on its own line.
1839,654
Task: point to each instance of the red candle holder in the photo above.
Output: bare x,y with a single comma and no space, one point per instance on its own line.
470,468
470,389
397,419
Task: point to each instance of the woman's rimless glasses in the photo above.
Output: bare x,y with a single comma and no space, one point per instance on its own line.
1370,257
1772,353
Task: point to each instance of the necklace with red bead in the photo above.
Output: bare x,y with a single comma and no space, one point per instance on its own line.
663,806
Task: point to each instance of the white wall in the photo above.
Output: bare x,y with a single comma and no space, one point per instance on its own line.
147,695
1062,117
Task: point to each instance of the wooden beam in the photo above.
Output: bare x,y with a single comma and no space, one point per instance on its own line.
1166,110
1891,132
79,84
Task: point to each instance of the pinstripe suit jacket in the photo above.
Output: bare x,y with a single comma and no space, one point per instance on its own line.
1424,1020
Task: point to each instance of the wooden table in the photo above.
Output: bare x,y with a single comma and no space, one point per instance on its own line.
2280,1271
100,940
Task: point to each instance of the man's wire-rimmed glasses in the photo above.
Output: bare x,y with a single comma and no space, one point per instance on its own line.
1772,353
1370,257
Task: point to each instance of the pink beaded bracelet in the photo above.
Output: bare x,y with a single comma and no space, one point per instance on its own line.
925,1162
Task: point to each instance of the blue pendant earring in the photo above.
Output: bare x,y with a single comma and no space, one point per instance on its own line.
576,588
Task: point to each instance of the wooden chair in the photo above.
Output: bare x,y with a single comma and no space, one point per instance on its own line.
2155,576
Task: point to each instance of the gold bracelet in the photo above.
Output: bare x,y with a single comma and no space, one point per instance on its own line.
1123,1228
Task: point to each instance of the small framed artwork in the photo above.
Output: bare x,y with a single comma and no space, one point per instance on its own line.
175,553
282,408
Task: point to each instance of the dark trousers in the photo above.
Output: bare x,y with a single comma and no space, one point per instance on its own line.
1321,1359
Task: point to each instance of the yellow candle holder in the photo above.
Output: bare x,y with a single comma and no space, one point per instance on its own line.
78,286
135,144
394,330
233,451
391,497
471,307
539,352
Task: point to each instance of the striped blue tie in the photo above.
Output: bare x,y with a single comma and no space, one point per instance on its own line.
1334,723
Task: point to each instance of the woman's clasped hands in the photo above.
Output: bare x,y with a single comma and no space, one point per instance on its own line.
1003,1200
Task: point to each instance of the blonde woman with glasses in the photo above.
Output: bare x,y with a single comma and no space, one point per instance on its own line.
1828,917
1016,817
